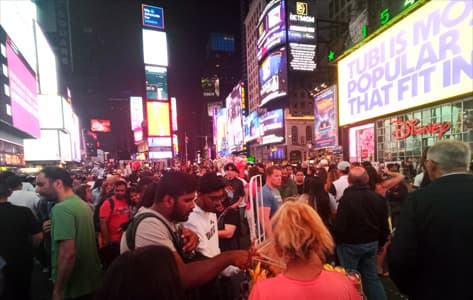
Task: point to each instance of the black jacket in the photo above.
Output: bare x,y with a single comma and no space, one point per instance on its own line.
431,252
362,217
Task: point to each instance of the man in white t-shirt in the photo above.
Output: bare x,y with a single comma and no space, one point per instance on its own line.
338,186
22,197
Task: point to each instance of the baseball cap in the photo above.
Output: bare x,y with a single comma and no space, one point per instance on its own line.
230,167
343,165
210,182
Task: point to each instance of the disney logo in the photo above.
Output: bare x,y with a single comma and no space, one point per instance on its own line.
406,129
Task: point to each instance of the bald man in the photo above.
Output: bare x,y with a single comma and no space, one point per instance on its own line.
361,228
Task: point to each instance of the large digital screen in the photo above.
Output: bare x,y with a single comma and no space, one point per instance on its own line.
271,28
97,125
221,126
361,142
155,48
153,16
17,18
210,86
45,148
5,103
50,116
252,127
65,146
67,115
159,123
160,141
424,58
222,42
235,118
47,73
326,128
174,114
23,91
156,83
273,127
273,76
136,112
75,138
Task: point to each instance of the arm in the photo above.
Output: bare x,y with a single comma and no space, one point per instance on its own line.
228,232
37,238
264,213
402,253
65,264
197,273
395,179
104,229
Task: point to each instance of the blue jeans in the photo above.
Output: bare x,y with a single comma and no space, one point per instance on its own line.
362,257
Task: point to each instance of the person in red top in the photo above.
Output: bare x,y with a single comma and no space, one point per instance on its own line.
113,213
301,240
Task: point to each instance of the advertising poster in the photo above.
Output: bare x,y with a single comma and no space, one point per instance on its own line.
221,126
136,112
424,58
273,76
159,123
235,119
153,16
362,142
252,127
273,127
23,92
326,128
271,28
156,83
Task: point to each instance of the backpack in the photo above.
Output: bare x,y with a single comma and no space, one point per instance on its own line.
97,212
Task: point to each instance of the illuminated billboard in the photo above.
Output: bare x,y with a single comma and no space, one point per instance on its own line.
174,114
156,83
424,58
97,125
273,76
325,112
235,118
5,103
23,92
271,28
75,138
361,142
221,125
210,86
252,127
152,16
47,73
155,48
50,112
45,148
159,123
272,123
136,112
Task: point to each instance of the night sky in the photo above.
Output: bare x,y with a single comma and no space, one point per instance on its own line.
118,56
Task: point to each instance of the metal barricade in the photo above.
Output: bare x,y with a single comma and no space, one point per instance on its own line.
255,191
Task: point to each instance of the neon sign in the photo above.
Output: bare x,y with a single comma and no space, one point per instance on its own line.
403,130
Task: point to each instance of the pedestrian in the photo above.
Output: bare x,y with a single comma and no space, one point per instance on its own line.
361,229
302,241
159,225
430,254
338,187
75,263
271,198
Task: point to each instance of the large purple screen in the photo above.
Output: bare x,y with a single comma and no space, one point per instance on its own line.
23,94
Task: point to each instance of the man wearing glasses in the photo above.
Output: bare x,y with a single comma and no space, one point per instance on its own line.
430,254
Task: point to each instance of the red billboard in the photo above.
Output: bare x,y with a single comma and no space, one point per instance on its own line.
98,125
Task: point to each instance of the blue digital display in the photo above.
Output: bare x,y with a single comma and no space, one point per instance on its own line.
153,16
273,76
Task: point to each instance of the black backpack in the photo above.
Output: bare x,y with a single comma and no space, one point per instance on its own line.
97,212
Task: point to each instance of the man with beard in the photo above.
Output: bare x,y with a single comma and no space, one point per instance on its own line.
159,225
114,212
74,258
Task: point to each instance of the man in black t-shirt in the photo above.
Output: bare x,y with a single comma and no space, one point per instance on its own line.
19,229
233,185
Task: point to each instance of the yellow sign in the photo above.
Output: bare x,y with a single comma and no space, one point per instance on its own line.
302,8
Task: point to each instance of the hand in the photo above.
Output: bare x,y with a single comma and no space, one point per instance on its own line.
240,258
47,226
190,239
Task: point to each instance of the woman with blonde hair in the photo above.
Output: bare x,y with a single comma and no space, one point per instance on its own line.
302,241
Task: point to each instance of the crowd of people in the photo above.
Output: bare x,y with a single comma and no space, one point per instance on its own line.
192,233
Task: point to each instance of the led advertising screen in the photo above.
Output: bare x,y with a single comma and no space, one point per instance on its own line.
47,73
45,148
424,58
273,76
252,127
23,91
160,141
156,83
273,127
174,114
213,105
153,16
136,112
97,125
221,133
5,103
222,42
361,142
67,115
210,86
65,145
302,35
271,28
75,138
235,118
50,116
159,123
155,48
326,128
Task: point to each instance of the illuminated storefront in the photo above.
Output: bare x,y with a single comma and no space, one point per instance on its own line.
412,82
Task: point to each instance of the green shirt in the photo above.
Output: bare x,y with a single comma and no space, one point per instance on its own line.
72,220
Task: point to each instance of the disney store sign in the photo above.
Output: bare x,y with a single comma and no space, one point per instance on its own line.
405,129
